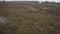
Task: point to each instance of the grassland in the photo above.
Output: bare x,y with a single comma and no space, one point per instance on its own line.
26,19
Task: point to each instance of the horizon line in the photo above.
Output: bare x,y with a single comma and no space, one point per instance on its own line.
39,1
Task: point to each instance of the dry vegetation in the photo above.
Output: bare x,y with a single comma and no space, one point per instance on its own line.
29,20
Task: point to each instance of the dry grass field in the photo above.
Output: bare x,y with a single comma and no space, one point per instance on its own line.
28,19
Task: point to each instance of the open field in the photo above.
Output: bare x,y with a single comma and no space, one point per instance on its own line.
29,18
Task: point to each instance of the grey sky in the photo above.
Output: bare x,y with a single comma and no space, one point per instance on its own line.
33,0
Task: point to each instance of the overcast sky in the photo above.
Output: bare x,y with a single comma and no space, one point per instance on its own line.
34,0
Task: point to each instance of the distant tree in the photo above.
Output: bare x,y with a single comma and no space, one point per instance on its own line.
46,2
42,2
3,3
58,3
